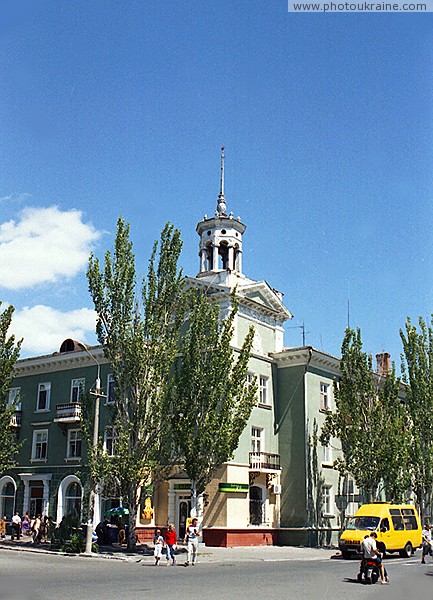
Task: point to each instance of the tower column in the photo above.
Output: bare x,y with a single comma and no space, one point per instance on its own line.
231,258
238,266
203,254
215,259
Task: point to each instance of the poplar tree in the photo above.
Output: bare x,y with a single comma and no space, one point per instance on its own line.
139,329
369,420
417,373
9,354
211,401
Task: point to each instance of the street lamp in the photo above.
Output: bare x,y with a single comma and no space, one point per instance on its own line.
91,506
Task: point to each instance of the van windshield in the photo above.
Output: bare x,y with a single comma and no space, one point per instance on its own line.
366,523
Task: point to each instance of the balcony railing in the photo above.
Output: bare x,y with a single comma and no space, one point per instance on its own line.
68,413
264,461
16,419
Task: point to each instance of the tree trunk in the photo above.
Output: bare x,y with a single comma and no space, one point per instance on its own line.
132,505
193,498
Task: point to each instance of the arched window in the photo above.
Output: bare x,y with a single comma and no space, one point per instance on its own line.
72,502
7,497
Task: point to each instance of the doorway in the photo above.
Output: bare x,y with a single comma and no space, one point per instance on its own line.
257,505
36,498
183,512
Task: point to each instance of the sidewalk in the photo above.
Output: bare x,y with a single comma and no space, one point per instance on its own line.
144,553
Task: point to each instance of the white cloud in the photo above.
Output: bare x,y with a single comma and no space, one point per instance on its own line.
44,245
44,328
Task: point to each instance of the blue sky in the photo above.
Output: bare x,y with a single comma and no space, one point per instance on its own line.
115,108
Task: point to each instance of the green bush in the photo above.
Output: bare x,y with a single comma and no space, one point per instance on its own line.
75,545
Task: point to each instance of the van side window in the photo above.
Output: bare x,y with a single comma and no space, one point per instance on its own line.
397,521
384,525
409,518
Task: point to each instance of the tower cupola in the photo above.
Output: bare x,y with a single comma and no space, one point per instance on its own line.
220,238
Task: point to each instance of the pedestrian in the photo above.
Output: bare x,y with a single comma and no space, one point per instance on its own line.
16,527
43,529
171,544
158,542
25,525
426,542
192,535
121,533
37,530
51,526
3,528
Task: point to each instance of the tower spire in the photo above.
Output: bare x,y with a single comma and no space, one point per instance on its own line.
221,205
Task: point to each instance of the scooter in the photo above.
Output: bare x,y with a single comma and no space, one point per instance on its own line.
369,571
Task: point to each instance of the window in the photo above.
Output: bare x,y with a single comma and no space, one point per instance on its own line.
73,500
7,498
77,388
256,439
14,394
250,379
40,444
325,401
263,390
409,518
44,396
349,489
110,437
110,389
74,443
327,500
327,455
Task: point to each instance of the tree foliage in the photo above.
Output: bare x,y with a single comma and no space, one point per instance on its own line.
369,420
9,354
417,371
210,399
140,336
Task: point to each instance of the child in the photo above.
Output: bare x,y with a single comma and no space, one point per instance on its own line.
170,543
158,542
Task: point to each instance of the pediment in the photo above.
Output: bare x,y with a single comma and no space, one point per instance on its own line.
261,296
257,296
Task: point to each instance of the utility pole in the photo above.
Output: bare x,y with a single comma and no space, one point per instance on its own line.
91,508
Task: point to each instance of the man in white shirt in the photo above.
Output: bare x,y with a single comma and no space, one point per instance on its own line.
370,552
426,542
16,526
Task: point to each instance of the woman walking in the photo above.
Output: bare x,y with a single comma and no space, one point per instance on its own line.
170,544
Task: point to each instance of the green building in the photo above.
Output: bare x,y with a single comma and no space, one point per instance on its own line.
279,488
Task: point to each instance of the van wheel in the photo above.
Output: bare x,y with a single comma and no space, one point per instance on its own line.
346,555
407,551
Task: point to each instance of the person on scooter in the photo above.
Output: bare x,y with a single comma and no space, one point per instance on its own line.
370,552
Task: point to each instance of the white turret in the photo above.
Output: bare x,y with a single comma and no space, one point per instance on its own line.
221,239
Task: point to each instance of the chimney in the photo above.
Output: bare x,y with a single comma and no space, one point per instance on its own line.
383,362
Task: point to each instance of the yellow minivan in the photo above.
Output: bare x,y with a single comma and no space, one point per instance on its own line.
397,526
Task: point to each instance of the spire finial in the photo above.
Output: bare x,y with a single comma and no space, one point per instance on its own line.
221,206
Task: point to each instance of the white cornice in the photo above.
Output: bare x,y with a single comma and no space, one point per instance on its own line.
307,356
274,309
60,361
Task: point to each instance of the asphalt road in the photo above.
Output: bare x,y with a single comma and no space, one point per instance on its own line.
27,576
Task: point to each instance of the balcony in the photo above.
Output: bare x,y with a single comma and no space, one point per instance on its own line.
68,413
16,418
264,461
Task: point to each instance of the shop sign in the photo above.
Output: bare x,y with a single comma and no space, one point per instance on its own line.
239,488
